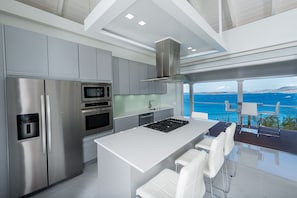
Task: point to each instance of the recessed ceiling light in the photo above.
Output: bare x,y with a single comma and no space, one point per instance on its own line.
129,16
142,23
189,48
194,50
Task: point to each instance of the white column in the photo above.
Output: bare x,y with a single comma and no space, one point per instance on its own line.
191,98
220,17
239,98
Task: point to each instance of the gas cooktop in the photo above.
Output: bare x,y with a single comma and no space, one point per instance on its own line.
167,125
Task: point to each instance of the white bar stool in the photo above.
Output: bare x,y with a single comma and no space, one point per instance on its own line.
169,184
215,159
249,109
228,147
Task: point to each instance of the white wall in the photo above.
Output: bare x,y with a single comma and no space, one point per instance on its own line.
270,40
3,138
271,31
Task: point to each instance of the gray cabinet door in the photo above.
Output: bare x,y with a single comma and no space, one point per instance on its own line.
87,62
134,77
121,124
26,52
3,142
151,73
104,64
63,58
121,82
142,75
161,87
163,114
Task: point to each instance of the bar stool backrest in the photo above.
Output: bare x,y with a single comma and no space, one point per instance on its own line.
229,139
216,154
191,181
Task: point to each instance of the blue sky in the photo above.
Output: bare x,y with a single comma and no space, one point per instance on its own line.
248,85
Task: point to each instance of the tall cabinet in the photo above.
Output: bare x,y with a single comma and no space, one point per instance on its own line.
121,77
3,138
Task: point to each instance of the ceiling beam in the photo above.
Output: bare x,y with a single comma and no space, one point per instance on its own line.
184,12
60,7
233,14
104,12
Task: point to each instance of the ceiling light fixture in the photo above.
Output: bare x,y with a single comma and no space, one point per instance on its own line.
189,48
129,16
194,50
142,23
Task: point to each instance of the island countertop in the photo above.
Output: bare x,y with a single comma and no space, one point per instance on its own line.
143,148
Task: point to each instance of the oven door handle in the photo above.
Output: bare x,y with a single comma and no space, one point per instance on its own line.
96,110
105,109
89,110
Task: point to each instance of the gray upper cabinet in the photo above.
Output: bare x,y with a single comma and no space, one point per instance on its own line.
151,73
94,64
161,87
26,52
63,58
87,62
121,82
134,77
104,63
128,76
142,75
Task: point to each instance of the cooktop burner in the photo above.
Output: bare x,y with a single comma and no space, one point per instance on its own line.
167,125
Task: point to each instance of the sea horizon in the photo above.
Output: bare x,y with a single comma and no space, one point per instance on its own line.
213,103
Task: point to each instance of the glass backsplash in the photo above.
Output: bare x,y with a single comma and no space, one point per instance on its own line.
132,103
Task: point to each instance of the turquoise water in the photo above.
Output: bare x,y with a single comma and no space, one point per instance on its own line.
216,110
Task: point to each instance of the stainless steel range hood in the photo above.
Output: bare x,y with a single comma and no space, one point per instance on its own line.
167,61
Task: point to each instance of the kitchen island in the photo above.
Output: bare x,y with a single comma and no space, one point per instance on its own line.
128,159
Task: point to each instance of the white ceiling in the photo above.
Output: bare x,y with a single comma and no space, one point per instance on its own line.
195,24
167,18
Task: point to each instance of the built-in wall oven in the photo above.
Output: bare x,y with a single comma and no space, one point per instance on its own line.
96,108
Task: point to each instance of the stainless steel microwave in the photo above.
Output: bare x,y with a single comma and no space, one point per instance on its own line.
96,91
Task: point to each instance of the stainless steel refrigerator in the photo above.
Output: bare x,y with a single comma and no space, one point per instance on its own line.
44,133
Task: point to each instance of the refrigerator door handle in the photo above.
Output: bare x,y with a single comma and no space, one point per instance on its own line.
43,124
49,127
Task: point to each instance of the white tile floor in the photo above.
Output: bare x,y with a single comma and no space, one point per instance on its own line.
261,173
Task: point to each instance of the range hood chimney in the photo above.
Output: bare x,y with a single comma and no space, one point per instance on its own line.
167,61
167,58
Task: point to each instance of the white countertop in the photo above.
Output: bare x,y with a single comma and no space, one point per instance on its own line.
143,148
136,113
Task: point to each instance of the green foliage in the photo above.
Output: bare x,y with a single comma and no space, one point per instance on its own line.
270,121
289,123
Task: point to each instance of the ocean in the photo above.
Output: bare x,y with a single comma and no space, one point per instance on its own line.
214,105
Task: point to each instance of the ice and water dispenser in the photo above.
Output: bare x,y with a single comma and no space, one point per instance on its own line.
28,126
